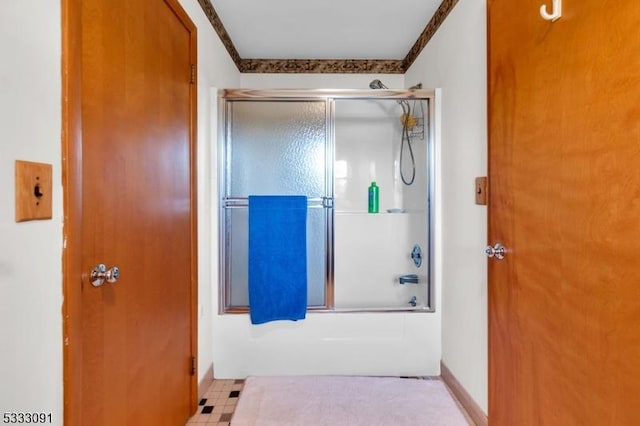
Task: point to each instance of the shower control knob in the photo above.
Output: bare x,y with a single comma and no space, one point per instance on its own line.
498,251
416,255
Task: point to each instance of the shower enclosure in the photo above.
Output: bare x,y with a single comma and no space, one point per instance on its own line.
329,145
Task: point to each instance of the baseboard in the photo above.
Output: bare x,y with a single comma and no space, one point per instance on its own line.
205,382
473,410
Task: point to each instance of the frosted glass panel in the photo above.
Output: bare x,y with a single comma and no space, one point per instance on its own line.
237,220
316,256
238,255
276,148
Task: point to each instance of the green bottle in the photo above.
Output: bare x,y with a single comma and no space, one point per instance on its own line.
374,194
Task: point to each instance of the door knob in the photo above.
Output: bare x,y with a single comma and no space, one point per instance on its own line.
498,251
100,274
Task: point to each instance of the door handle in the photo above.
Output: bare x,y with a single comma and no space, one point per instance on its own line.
100,274
498,251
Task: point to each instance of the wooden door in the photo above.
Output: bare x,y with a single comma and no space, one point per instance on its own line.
564,148
130,195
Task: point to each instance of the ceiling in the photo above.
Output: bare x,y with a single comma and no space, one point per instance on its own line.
325,35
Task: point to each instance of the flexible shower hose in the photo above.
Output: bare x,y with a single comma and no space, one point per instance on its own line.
406,138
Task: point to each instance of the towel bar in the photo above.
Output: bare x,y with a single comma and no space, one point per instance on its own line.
243,202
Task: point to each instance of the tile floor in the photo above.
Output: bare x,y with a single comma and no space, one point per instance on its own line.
218,403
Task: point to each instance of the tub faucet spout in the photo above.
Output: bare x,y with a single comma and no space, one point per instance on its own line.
411,279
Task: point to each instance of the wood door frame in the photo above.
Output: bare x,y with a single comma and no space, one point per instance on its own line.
71,68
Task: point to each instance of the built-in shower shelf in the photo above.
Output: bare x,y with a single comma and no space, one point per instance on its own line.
372,214
365,213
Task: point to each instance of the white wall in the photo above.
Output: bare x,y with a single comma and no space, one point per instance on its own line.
318,81
30,252
455,60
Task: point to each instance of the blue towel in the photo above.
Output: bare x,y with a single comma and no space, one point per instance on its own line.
277,258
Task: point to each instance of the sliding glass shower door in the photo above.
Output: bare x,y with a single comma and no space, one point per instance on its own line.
275,148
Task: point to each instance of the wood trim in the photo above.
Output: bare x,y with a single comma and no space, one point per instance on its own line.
328,66
72,209
193,135
473,410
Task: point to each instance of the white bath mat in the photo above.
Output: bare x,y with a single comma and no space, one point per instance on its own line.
345,400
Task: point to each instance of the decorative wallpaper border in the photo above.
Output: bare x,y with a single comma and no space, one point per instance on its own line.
328,66
432,26
219,28
323,66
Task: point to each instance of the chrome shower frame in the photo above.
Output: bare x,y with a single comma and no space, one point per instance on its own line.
330,96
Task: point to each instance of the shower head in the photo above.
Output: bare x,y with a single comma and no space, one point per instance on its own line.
377,84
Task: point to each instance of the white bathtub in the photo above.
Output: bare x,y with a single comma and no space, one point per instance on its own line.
325,343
